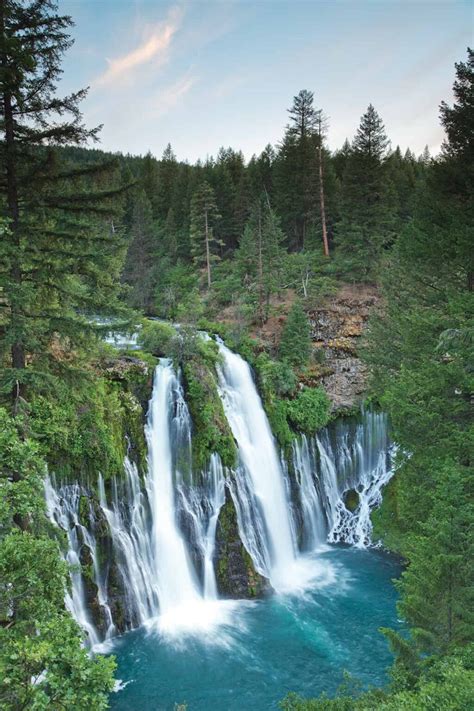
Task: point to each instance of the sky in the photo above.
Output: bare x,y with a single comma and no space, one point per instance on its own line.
201,74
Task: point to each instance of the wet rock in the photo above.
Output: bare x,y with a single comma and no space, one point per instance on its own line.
351,500
235,572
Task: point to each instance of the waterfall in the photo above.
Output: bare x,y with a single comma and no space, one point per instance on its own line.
62,506
168,433
145,550
259,488
128,518
357,459
142,548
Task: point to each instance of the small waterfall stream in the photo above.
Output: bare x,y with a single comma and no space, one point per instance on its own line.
151,540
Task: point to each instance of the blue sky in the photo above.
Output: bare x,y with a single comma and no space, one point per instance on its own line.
201,74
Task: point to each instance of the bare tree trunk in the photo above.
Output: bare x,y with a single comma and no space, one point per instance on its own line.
321,200
208,253
260,270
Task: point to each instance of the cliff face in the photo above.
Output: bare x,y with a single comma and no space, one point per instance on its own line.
336,328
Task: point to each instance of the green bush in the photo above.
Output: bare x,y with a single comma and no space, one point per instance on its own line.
156,337
277,376
211,432
309,410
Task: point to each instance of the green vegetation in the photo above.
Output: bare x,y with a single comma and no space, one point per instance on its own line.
295,343
309,410
420,349
211,431
37,635
253,248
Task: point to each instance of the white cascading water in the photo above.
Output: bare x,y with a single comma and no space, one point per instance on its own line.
160,532
128,518
161,587
62,507
185,604
359,459
259,488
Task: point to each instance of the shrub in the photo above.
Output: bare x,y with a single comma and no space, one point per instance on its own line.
156,337
309,410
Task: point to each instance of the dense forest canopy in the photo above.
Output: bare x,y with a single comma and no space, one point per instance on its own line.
85,233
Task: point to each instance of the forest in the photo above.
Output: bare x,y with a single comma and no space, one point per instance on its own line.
248,250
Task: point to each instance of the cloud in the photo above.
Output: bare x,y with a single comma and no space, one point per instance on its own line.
170,96
154,48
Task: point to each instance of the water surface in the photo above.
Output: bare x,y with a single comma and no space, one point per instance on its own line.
299,643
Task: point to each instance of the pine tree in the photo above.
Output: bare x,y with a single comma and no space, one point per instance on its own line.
367,223
295,342
167,172
141,255
62,250
259,257
296,171
321,127
204,216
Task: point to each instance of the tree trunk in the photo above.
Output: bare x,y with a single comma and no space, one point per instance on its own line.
17,350
208,252
260,271
321,201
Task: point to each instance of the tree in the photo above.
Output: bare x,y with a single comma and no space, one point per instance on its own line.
296,173
204,217
420,351
295,342
367,224
321,124
259,257
141,256
61,251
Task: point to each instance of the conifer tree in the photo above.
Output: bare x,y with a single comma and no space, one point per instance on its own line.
61,252
167,171
141,255
259,256
204,216
296,172
295,342
367,207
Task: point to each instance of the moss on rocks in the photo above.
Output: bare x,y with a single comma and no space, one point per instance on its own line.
351,500
211,431
235,572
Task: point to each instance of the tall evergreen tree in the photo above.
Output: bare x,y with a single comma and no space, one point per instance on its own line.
295,342
61,251
204,216
421,352
141,255
367,222
259,257
296,172
167,172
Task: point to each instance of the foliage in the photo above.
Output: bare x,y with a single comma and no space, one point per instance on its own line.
309,410
259,258
211,432
156,337
276,376
367,224
43,664
61,253
447,684
203,218
295,342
